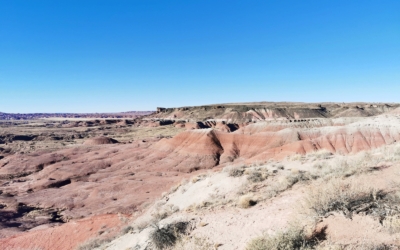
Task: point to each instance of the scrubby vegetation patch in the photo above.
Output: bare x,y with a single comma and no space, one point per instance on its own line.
294,238
166,236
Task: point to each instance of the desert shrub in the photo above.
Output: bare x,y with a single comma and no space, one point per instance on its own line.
127,229
167,236
293,238
389,212
235,171
355,165
163,238
298,176
256,176
174,189
275,189
284,183
214,200
392,153
392,223
354,197
342,168
195,179
247,201
320,165
340,196
360,246
280,166
199,178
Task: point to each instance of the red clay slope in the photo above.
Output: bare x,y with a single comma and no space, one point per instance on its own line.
250,146
67,236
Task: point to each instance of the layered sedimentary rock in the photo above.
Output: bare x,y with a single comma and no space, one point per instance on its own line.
244,112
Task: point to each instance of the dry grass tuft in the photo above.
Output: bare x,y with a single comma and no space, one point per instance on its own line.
174,189
293,238
198,178
203,224
392,223
247,201
286,182
256,176
234,171
338,195
360,246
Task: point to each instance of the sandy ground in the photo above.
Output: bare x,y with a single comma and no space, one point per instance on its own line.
232,227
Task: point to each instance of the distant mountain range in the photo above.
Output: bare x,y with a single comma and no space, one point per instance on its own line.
17,116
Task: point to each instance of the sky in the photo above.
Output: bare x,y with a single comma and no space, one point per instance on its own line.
109,56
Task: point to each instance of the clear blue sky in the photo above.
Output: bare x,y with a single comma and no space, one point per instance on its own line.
104,56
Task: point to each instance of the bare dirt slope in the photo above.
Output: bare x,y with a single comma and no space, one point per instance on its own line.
228,210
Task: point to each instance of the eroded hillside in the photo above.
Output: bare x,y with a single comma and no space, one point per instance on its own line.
54,174
245,112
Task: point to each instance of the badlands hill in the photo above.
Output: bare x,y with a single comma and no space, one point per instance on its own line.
197,177
244,112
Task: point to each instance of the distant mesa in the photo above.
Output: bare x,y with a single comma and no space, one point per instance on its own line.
100,141
120,115
268,111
